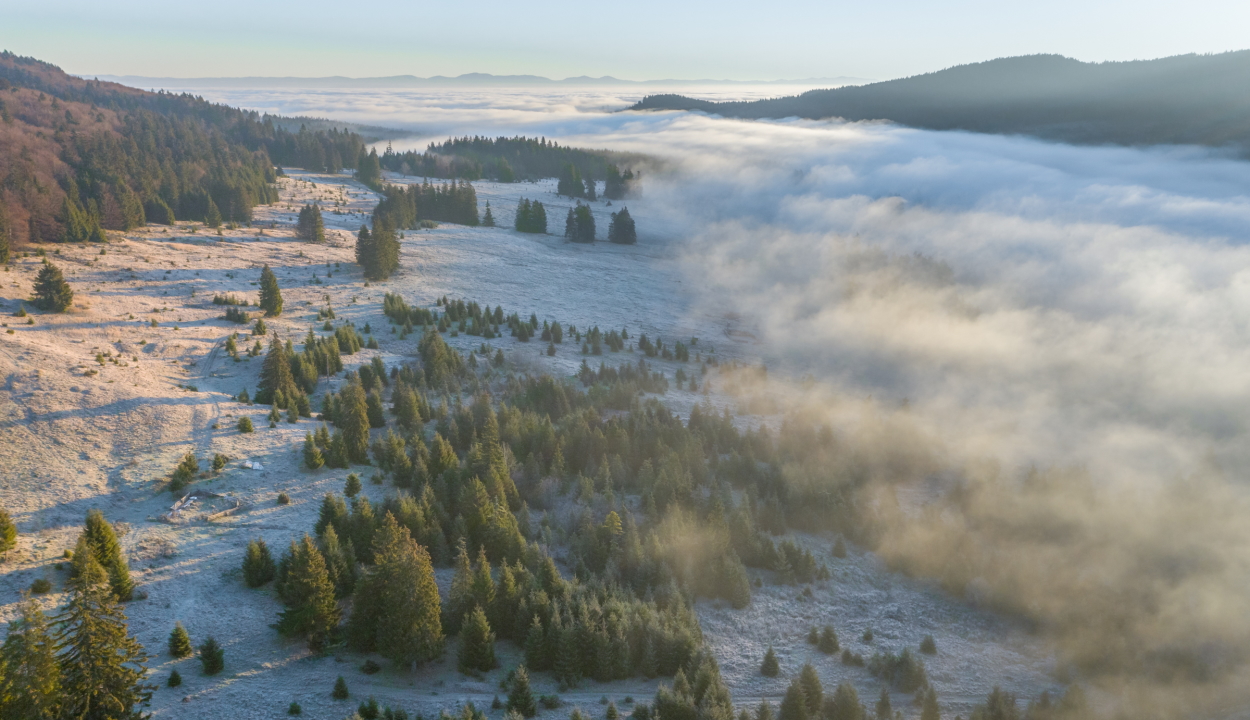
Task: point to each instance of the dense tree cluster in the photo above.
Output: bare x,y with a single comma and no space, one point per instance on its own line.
619,185
503,159
310,225
377,252
621,228
579,226
404,207
531,217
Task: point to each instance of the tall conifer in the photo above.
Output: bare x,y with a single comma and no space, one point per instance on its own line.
270,293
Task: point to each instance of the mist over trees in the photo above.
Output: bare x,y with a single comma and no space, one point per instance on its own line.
502,159
1176,100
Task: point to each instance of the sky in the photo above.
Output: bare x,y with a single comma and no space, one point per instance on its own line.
646,39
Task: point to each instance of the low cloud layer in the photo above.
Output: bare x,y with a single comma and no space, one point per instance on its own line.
1040,351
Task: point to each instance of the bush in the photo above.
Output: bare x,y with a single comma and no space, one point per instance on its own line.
40,586
245,424
284,499
369,710
219,462
828,643
928,646
8,532
813,636
370,667
770,667
852,659
867,636
294,709
340,689
184,473
174,679
212,656
551,702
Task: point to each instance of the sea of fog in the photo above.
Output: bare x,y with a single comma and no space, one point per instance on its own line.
1026,305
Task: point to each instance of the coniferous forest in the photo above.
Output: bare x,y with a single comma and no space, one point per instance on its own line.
504,159
81,156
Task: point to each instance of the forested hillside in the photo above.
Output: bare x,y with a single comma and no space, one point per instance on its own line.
78,156
1187,99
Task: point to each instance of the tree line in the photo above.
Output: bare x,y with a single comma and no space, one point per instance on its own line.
502,159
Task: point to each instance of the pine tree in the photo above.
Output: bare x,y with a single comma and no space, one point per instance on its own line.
312,611
621,229
351,488
312,454
212,656
258,565
8,533
813,692
52,293
100,542
102,666
353,422
270,293
175,679
570,225
477,643
212,217
520,699
488,219
276,381
770,667
373,410
179,642
794,704
340,689
30,678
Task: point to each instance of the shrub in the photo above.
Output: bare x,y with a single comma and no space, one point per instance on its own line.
928,646
174,679
245,424
813,636
370,667
284,499
551,702
40,586
219,462
294,708
828,641
867,636
770,667
852,659
340,689
8,532
184,473
369,710
212,656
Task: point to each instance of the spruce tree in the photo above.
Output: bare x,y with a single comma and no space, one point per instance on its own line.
770,667
488,219
175,679
8,533
6,236
794,704
276,381
477,643
270,293
30,678
846,705
520,699
353,422
184,473
828,643
101,543
312,454
352,487
364,247
813,692
340,689
52,293
929,709
258,565
312,610
212,656
409,630
212,217
179,642
102,666
884,711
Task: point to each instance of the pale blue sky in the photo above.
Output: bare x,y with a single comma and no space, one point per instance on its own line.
639,39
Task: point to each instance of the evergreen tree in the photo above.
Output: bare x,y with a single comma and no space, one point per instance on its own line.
369,169
30,678
270,294
6,236
813,692
353,422
312,454
373,409
340,689
175,679
352,487
794,704
845,705
8,533
102,666
184,473
212,656
477,643
100,543
621,228
828,643
311,226
212,217
590,189
258,565
884,711
409,629
929,708
520,699
52,293
579,227
570,225
179,642
570,182
770,667
277,385
312,610
488,219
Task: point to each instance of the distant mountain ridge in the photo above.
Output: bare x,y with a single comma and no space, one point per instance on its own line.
466,80
1185,99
